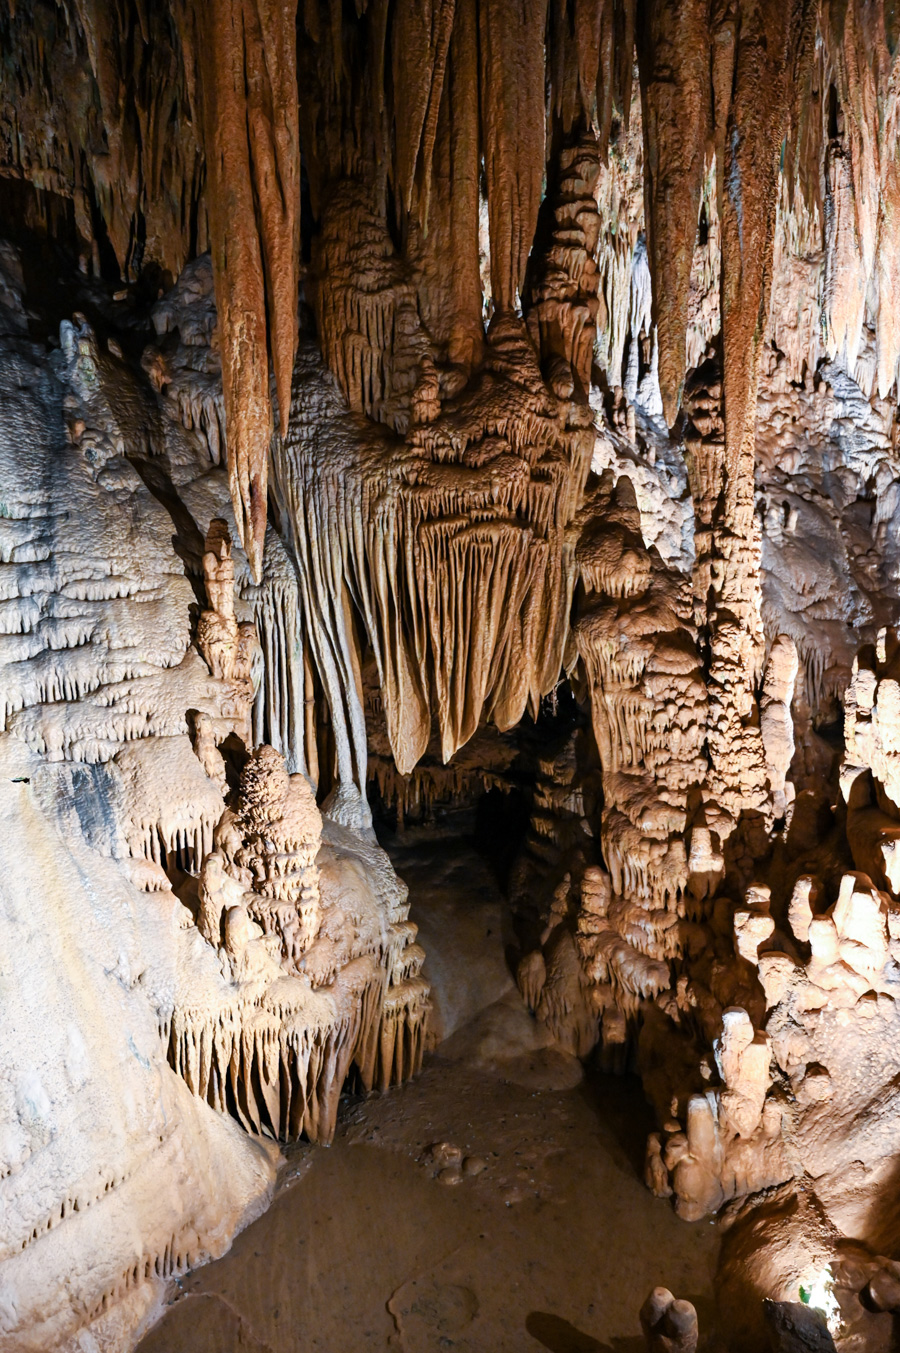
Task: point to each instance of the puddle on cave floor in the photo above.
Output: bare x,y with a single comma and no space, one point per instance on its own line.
554,1243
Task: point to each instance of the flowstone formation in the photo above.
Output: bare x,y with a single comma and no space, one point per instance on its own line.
200,927
379,382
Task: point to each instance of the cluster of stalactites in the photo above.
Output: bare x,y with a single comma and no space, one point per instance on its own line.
841,173
193,113
752,94
452,544
95,112
173,128
278,1058
440,88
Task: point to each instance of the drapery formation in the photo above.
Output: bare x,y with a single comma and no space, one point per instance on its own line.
615,186
154,131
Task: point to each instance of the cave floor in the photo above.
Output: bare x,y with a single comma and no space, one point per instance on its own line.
545,1238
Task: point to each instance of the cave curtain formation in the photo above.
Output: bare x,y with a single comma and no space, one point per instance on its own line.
178,125
456,162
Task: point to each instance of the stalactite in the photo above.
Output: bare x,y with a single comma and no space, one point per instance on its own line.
423,29
675,83
243,60
774,45
621,217
511,71
278,713
443,245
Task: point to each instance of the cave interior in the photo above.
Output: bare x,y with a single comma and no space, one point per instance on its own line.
449,609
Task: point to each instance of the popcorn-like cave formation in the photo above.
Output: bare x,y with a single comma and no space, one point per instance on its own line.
405,405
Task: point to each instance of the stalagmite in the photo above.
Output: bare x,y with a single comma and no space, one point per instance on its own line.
776,726
272,842
669,1324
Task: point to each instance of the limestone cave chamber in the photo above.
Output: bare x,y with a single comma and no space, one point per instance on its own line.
449,676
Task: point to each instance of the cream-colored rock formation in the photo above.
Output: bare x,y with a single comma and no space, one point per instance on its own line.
176,915
409,401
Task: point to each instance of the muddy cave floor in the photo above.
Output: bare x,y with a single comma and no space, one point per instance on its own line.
545,1238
